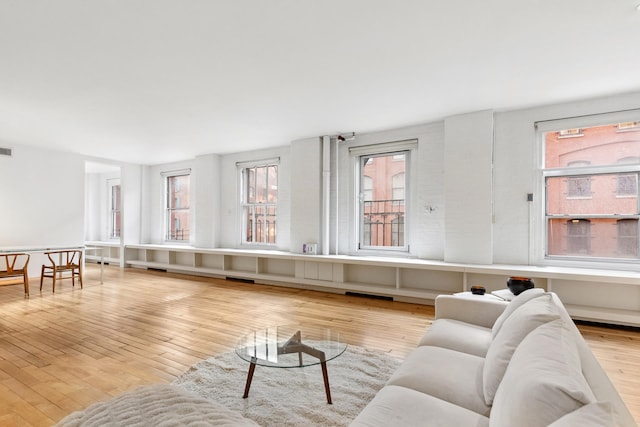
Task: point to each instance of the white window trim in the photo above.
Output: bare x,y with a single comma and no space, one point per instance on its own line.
112,182
538,224
385,148
240,166
165,231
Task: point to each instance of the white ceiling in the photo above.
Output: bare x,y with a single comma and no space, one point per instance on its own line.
154,81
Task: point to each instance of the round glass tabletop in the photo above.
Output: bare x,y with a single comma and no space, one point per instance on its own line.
291,346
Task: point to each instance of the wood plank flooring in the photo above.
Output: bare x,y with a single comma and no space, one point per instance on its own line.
61,352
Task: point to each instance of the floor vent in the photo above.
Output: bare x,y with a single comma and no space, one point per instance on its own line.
238,279
607,325
5,151
357,294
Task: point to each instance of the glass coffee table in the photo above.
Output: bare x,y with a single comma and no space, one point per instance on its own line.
290,347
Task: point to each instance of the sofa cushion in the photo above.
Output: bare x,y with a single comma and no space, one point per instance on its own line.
477,311
523,320
446,374
544,380
459,336
596,414
399,406
517,302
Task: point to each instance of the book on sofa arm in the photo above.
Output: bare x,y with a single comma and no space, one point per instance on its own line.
505,294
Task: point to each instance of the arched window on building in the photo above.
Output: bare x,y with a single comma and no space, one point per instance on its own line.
397,190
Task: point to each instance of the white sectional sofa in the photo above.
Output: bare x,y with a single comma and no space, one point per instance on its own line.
485,362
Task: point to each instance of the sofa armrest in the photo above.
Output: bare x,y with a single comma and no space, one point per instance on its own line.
477,311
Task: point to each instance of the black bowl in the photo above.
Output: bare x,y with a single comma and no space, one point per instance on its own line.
478,290
517,285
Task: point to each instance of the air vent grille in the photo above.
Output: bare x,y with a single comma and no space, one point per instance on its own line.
5,151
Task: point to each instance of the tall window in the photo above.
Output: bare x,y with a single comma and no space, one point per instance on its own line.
259,203
114,208
177,207
382,199
590,180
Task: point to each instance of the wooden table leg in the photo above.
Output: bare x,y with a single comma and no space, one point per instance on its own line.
252,368
325,376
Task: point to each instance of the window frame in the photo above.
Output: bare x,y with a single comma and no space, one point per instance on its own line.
112,211
270,208
167,176
392,150
540,223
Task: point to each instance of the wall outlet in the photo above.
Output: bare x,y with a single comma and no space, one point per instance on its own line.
310,248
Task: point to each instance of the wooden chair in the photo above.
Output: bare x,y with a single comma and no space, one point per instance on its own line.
62,262
13,266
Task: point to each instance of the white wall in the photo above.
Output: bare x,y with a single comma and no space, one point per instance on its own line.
92,207
131,182
207,190
306,193
468,188
42,198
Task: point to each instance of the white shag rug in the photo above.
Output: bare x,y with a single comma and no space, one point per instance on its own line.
210,394
159,405
295,396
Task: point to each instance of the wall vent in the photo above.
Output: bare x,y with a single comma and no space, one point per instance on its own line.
5,151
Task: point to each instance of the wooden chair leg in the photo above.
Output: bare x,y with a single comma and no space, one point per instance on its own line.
80,276
41,277
26,284
54,280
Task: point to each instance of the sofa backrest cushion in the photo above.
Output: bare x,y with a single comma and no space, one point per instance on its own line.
523,320
543,382
517,302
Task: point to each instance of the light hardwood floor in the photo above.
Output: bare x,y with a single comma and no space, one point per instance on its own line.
61,352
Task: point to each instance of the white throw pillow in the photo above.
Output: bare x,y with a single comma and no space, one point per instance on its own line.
523,320
592,415
517,302
543,382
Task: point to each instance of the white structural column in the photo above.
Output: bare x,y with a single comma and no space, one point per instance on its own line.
468,168
206,178
306,192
